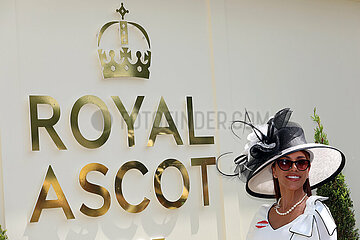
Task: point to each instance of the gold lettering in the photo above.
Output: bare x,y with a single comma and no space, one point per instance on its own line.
90,99
157,183
42,203
203,163
48,124
192,138
118,187
96,189
156,129
129,119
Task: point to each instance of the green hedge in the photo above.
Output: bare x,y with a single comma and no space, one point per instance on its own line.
3,234
339,202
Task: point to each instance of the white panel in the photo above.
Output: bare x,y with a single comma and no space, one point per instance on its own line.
57,56
298,54
8,82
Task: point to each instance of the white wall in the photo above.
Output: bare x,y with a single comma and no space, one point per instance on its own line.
8,75
229,55
299,54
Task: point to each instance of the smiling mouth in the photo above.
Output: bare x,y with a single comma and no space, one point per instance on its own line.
293,177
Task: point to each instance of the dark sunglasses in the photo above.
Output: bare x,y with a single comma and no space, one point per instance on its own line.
286,165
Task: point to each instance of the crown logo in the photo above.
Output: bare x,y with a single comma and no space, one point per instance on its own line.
123,65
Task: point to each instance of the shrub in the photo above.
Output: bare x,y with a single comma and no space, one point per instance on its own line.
3,234
339,202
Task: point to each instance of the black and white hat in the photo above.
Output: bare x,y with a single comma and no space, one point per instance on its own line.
277,138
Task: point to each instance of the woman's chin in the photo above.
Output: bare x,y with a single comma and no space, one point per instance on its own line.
293,186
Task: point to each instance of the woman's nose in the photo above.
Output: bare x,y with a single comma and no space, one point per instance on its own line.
293,167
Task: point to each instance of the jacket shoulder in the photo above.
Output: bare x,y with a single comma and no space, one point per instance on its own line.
323,216
316,220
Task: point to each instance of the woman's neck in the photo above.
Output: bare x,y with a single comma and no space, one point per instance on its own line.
289,198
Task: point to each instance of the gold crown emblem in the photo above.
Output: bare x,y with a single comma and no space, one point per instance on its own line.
124,65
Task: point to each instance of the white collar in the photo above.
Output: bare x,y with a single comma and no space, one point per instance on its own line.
303,225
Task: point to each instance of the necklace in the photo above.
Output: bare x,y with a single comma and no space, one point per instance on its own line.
290,210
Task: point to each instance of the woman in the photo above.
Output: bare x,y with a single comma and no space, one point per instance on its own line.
277,162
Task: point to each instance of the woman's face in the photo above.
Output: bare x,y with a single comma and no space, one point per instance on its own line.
292,179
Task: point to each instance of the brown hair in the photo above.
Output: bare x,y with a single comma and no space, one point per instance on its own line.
306,186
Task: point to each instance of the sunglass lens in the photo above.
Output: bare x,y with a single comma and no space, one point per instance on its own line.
284,164
302,165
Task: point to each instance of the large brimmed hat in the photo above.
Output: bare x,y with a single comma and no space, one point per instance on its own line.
277,138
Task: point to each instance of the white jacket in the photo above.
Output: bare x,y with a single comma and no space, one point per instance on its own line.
315,223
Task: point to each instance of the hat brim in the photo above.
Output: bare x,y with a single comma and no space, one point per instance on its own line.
326,163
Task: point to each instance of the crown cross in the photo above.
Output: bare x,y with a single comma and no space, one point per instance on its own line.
125,53
122,10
